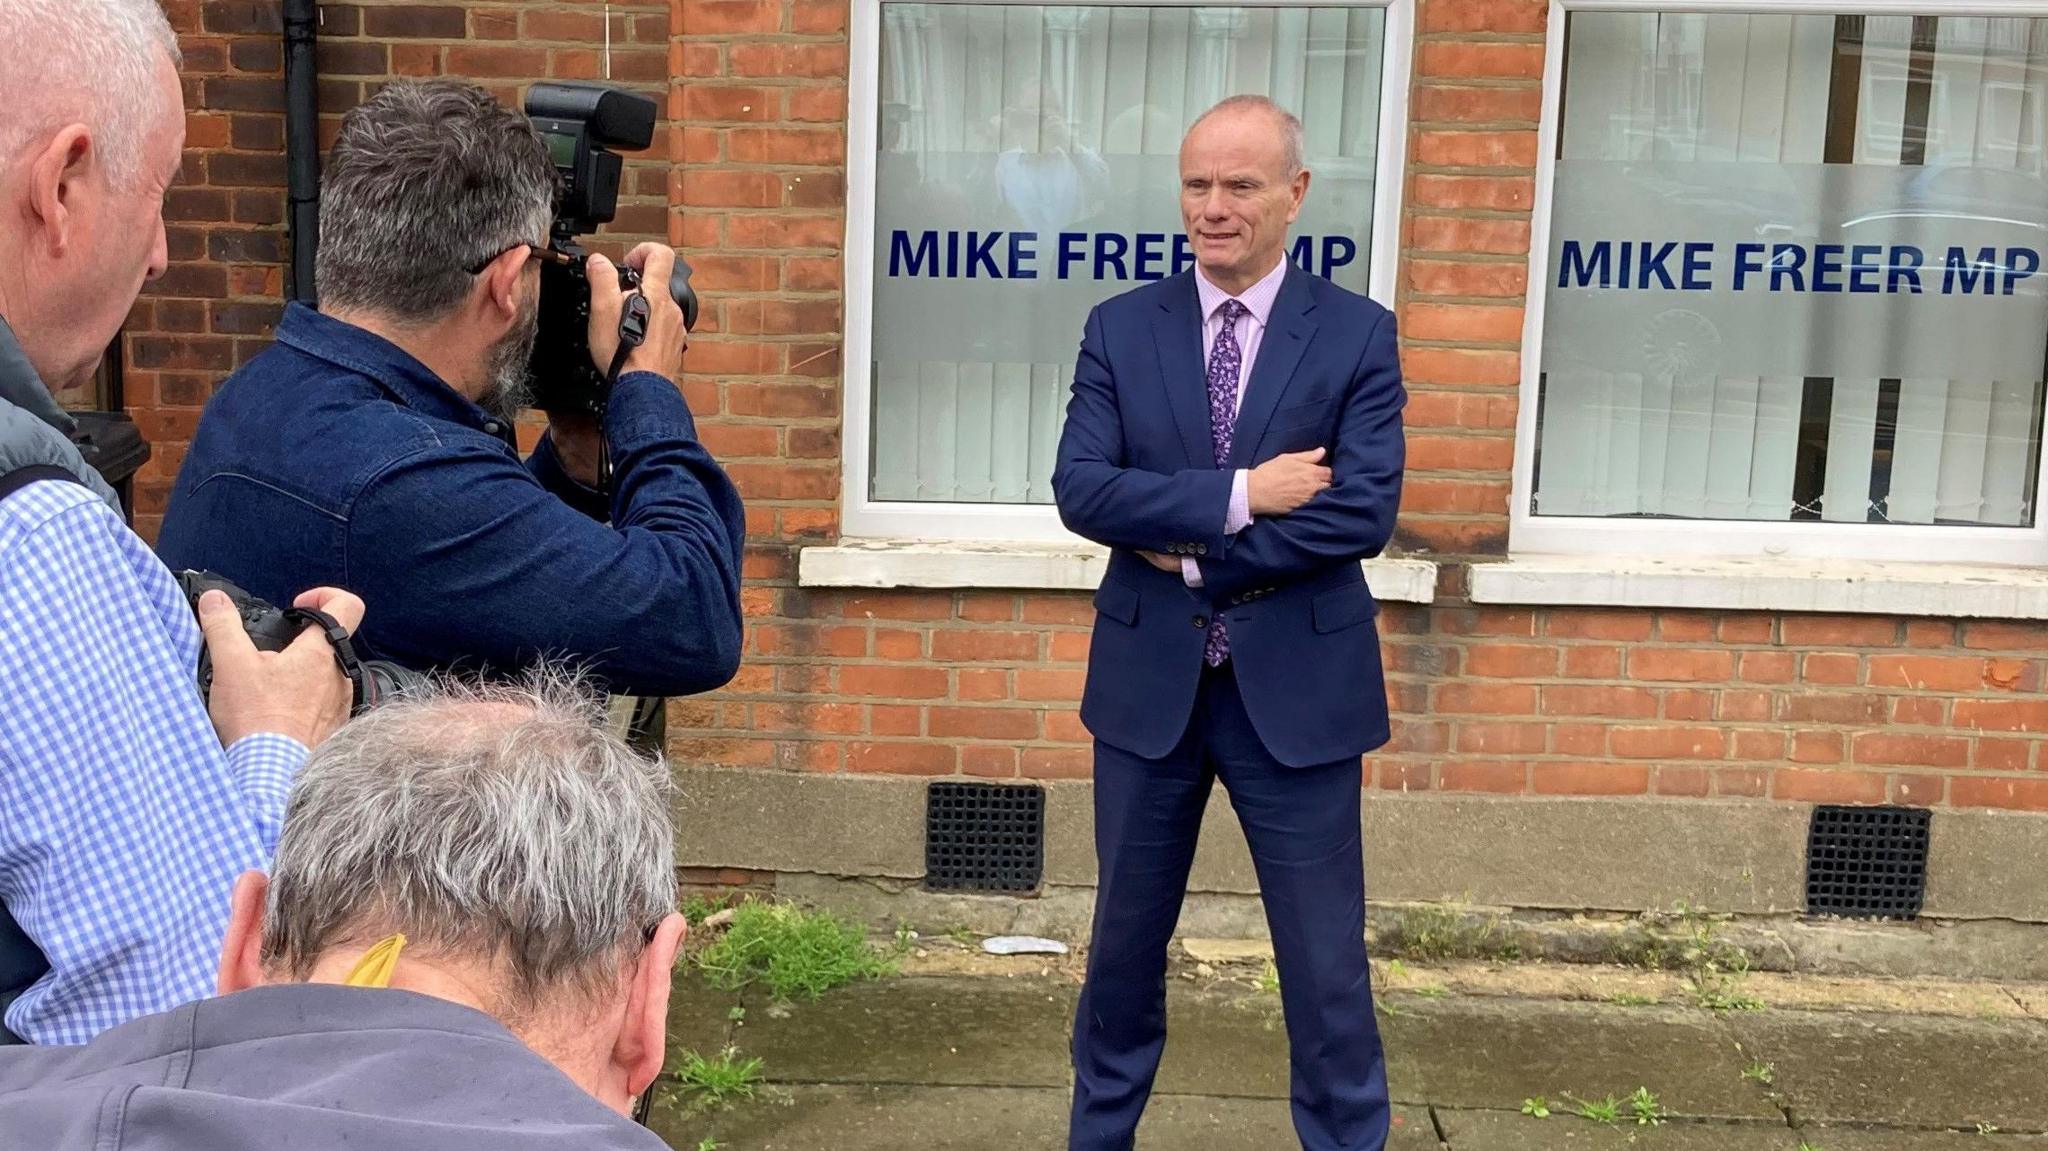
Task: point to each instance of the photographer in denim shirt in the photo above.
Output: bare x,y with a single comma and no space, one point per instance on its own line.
372,446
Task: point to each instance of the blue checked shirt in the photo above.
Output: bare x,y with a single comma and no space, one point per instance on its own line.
122,822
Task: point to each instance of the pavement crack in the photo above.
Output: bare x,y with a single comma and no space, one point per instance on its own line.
2018,1002
1437,1122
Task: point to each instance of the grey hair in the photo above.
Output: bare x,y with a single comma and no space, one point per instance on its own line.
93,62
502,824
427,178
1290,124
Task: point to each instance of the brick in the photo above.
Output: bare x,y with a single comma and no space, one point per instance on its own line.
1919,790
2013,674
982,723
2002,754
1466,366
1050,684
1487,193
247,17
198,353
725,273
739,440
1566,623
228,246
702,102
242,94
1689,706
1463,278
181,316
1808,785
1069,647
1831,669
1511,661
1484,15
354,58
1501,738
1828,707
2030,715
1685,627
1460,453
497,61
817,17
1057,763
256,133
1616,702
1999,635
1580,739
1985,791
575,27
1751,782
1744,705
1475,149
1413,736
785,230
782,481
639,69
732,357
1582,662
700,60
1394,776
1461,322
1924,633
895,719
1926,673
785,60
1480,775
1064,610
414,21
1767,667
415,60
729,17
986,608
988,761
1668,742
816,104
818,360
1466,235
984,685
1826,631
894,682
1589,778
1680,665
1485,699
813,523
1890,749
958,645
1920,711
900,758
1671,779
1447,104
814,443
1763,746
1480,60
1066,727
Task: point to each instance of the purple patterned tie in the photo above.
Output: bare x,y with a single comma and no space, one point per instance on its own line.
1224,361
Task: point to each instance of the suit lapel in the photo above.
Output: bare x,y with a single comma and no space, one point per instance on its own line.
1177,329
1289,329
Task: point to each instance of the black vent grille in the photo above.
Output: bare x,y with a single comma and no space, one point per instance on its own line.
1867,862
983,837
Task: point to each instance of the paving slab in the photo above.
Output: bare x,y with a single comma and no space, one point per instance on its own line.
891,1118
1492,1053
1909,1070
1509,1131
1847,1139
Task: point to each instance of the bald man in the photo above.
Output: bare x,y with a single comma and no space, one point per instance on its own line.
1234,438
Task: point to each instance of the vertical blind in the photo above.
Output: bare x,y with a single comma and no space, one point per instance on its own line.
1677,440
1055,95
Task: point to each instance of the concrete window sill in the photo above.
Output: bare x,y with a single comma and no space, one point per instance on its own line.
1848,586
1041,567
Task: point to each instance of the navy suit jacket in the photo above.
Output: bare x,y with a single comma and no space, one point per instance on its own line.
1137,472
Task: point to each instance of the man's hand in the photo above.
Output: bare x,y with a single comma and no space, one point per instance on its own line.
1165,563
1286,482
298,692
662,351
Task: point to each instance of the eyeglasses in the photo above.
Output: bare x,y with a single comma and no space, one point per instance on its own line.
539,252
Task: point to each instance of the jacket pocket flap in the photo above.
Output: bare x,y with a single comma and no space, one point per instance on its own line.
1342,608
1118,601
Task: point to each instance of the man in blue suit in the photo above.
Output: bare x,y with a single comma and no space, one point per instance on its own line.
1234,437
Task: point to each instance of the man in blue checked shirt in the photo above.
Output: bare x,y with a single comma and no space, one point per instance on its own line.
126,811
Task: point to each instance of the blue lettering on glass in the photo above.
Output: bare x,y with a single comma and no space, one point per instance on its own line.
1748,258
952,255
1823,267
2014,271
1906,261
1696,266
1337,252
1576,261
901,253
1072,252
1961,272
1786,260
1150,254
978,254
1654,265
1863,265
1109,251
1021,256
1183,253
1303,253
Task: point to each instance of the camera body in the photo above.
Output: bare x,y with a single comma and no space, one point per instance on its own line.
582,123
272,629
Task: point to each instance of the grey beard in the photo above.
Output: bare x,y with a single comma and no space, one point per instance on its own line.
511,388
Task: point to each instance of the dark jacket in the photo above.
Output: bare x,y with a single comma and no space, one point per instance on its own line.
312,1067
1137,472
335,458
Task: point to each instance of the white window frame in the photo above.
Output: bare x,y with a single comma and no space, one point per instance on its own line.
1546,536
863,517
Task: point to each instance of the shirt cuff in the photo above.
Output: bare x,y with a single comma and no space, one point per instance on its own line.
1190,571
1240,516
264,765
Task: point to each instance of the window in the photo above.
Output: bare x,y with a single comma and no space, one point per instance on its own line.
1013,165
1793,297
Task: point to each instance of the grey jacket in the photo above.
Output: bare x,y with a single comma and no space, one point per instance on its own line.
33,429
312,1067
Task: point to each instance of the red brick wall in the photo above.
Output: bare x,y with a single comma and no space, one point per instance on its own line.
1678,704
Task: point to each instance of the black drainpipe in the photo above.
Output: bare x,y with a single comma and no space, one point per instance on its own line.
302,142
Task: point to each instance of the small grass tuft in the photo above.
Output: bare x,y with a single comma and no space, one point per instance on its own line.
717,1081
1269,979
1648,1112
1763,1073
1606,1110
1537,1106
1631,999
796,953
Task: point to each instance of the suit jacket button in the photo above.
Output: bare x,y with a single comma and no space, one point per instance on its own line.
1202,621
1201,549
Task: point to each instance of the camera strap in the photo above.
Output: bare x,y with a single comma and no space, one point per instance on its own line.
338,639
632,333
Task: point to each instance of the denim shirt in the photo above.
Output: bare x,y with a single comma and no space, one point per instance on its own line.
336,458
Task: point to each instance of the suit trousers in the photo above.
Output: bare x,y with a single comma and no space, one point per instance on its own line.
1302,825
